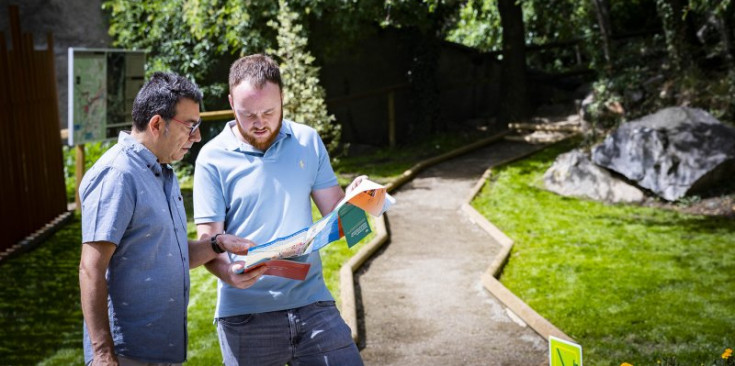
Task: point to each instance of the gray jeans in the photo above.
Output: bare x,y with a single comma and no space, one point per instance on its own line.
124,361
311,335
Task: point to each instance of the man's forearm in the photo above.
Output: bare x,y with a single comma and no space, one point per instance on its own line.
219,267
94,307
213,265
200,252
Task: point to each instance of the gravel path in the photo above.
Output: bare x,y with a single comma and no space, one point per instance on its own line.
420,300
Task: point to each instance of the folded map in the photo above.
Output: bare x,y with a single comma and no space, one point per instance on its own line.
348,218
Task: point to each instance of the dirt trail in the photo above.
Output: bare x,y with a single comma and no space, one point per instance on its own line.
420,300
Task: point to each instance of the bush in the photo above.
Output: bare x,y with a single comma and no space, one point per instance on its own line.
303,97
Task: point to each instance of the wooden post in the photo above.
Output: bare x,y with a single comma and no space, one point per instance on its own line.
392,118
79,173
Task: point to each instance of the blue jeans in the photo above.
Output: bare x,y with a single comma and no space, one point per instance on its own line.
314,334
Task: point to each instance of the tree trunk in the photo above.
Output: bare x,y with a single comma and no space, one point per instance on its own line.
723,22
514,106
602,7
675,30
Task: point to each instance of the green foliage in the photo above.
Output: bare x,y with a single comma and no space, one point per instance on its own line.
478,26
672,26
628,283
644,88
189,37
303,97
601,111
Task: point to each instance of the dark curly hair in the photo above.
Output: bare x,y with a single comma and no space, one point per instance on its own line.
160,95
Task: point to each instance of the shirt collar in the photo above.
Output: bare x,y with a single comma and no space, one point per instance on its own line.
234,144
130,144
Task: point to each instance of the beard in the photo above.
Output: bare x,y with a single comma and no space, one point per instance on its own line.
262,142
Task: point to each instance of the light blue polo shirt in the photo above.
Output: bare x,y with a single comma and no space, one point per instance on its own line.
131,200
263,196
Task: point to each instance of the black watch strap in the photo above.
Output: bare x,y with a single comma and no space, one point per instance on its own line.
217,249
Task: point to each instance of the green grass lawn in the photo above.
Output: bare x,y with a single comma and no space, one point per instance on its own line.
629,283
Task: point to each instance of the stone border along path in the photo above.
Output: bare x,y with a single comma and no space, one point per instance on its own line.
412,326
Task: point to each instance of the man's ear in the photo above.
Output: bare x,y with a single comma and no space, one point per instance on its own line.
232,106
157,126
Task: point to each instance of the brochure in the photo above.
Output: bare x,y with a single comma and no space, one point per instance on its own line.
348,219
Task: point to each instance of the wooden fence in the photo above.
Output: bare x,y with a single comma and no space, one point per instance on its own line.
32,187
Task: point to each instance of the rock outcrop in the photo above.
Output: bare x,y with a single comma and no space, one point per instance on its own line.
574,174
672,153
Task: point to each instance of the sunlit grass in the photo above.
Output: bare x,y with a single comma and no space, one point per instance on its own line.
628,283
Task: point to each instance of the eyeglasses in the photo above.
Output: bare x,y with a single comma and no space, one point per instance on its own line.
192,128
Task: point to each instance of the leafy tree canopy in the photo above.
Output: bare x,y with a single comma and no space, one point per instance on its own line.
198,37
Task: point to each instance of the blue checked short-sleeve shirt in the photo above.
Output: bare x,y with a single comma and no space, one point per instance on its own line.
131,200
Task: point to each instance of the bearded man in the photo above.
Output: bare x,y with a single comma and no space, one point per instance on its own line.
256,179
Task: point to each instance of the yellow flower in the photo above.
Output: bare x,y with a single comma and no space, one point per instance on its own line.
625,364
727,353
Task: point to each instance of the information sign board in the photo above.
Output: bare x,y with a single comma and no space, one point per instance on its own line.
102,85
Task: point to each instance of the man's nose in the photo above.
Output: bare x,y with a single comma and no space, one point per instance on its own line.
197,135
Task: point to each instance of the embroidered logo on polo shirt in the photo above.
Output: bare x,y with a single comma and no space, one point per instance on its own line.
301,164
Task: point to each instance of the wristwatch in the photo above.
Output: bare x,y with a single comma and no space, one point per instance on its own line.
217,249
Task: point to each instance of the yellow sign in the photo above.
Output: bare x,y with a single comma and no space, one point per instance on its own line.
564,353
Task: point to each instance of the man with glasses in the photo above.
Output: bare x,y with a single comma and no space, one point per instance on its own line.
134,268
256,179
193,126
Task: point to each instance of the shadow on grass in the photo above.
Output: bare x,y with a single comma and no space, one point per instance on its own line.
692,224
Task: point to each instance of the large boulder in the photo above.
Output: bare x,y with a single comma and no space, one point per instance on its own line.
574,174
674,152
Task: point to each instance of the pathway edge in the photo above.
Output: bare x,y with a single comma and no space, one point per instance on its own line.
348,309
489,280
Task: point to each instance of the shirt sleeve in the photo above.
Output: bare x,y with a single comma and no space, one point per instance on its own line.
107,205
209,201
325,176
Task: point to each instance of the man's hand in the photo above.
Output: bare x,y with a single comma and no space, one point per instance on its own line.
104,359
242,280
356,182
234,244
